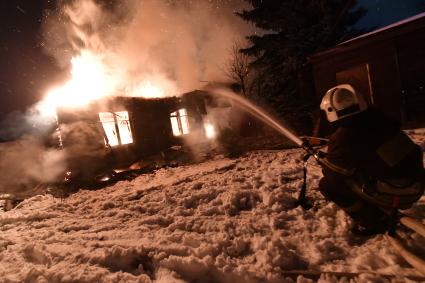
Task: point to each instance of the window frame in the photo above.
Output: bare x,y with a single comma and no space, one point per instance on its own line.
116,120
181,119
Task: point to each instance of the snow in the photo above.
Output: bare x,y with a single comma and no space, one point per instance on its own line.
224,220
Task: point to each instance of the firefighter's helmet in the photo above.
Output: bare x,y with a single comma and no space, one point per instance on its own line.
342,101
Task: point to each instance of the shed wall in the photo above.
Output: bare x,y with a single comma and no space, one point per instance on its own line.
396,66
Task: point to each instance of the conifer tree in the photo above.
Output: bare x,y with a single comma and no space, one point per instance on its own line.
293,30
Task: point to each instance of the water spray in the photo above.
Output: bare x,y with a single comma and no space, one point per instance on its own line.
267,119
303,142
257,112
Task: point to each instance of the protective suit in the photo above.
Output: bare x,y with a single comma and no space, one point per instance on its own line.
371,166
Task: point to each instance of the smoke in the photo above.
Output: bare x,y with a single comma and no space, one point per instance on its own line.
13,126
176,44
26,163
161,46
18,123
25,157
86,154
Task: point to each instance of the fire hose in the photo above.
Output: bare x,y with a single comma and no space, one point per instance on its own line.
310,152
306,146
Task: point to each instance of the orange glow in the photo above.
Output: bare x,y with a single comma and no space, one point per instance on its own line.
108,123
209,130
147,90
91,79
124,127
117,127
179,122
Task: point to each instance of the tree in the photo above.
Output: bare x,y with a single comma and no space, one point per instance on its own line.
293,30
238,68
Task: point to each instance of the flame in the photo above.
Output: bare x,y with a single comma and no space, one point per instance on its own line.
89,81
147,90
92,79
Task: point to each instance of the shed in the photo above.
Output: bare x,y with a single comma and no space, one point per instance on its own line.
387,65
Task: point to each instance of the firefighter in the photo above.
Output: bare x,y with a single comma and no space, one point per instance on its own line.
371,167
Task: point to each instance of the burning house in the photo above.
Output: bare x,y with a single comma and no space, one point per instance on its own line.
115,132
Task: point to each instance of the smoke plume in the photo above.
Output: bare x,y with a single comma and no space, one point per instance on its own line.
26,163
176,44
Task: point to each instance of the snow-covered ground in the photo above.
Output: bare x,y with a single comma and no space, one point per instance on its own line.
225,220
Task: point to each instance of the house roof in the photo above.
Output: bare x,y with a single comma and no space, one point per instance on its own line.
393,30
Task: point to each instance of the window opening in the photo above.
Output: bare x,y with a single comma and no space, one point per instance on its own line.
179,122
124,128
117,127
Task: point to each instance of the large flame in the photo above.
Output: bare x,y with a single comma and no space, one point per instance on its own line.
147,90
91,79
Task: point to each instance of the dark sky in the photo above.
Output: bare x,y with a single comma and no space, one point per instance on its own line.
26,71
384,12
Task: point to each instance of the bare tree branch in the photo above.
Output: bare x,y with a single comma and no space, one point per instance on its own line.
237,69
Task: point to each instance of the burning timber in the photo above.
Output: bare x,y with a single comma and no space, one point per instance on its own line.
116,132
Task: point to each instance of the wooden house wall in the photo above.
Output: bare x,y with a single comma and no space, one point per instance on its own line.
149,119
152,127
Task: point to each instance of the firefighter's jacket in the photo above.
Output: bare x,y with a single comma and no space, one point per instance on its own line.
377,160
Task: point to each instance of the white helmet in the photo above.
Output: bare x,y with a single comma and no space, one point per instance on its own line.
342,101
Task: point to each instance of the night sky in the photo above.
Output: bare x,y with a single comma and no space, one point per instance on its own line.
26,71
384,12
